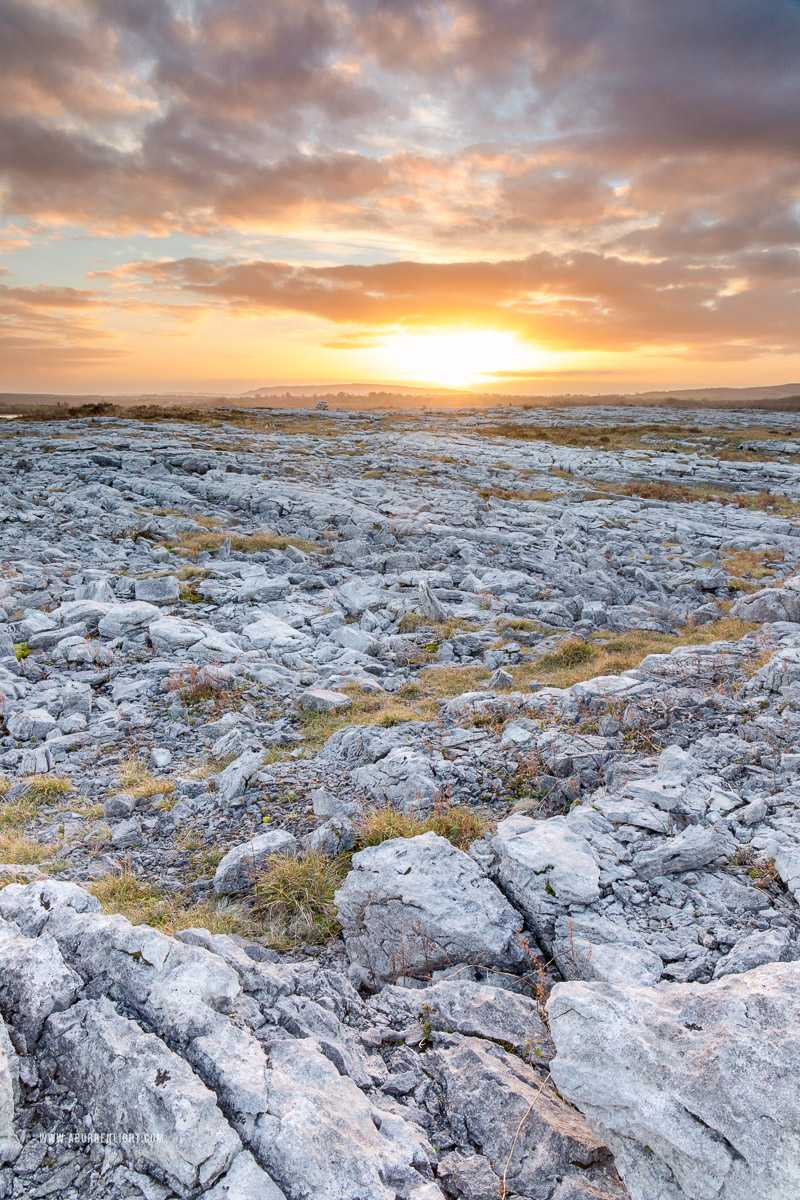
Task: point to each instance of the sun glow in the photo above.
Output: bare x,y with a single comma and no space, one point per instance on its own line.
453,358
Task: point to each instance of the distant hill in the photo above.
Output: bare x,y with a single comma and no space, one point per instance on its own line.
346,389
720,395
356,397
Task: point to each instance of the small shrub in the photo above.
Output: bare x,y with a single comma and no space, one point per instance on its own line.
294,898
196,685
189,595
22,650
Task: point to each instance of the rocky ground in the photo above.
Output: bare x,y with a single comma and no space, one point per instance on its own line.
400,806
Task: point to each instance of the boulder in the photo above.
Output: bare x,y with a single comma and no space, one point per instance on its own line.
322,700
271,634
122,618
8,655
160,589
34,980
328,1142
513,1117
696,846
545,867
692,1086
475,1009
144,1094
238,869
334,837
404,778
429,606
9,1071
411,906
769,604
231,782
171,633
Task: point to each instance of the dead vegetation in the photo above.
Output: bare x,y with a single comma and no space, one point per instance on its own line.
459,823
294,899
144,903
210,541
136,780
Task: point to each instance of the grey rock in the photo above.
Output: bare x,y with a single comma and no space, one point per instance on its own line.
756,950
160,757
512,1116
326,1139
429,605
470,1178
334,837
160,589
237,871
134,1085
474,1009
34,980
769,604
696,846
628,1059
32,723
122,618
127,833
415,905
245,1181
8,655
9,1070
118,805
327,805
323,700
231,783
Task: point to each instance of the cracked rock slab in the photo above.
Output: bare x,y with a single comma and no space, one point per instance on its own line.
692,1086
415,905
141,1092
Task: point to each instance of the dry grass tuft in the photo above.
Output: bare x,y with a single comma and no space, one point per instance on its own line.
572,653
145,904
753,564
541,495
294,899
136,780
42,788
21,851
611,655
249,543
460,824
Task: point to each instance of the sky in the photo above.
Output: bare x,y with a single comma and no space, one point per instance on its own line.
518,195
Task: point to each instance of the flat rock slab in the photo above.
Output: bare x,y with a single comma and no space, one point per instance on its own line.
693,1086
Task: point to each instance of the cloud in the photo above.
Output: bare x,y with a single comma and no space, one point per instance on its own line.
428,118
587,173
578,301
43,329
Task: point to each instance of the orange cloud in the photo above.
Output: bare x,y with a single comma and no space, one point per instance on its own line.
579,301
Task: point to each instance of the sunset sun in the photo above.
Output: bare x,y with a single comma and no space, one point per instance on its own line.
453,358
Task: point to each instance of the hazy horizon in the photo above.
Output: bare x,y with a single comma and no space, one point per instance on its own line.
491,195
